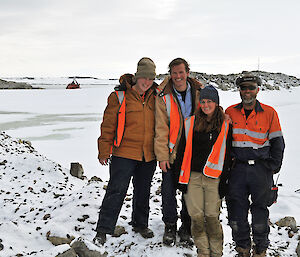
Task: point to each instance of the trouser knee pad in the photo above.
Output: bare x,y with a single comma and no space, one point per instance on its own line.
198,226
214,228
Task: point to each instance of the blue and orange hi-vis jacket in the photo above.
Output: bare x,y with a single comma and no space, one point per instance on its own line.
258,137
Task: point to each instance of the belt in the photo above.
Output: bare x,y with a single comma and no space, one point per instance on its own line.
249,162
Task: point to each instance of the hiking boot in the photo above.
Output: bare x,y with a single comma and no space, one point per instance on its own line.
185,236
144,232
260,254
169,237
100,238
243,252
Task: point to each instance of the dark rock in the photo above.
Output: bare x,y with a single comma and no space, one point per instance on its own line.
119,230
82,251
95,179
76,170
288,222
47,216
84,217
55,240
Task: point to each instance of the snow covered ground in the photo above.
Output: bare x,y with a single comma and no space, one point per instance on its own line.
63,126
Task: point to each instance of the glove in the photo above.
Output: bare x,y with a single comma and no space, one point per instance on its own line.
223,188
182,188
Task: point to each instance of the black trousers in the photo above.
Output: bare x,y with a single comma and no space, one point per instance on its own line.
121,170
254,181
169,201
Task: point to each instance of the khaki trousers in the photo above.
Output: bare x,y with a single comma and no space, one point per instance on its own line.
203,204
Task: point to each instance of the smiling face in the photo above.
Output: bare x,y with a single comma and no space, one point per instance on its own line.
248,93
179,77
208,107
143,84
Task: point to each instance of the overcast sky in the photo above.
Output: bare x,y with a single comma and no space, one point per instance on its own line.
107,38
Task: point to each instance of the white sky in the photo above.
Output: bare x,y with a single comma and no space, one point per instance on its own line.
107,38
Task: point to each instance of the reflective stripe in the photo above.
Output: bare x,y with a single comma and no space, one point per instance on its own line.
275,134
217,154
187,157
171,145
243,144
120,95
120,118
250,133
167,99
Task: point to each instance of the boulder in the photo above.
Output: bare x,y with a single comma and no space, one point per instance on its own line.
76,170
81,249
288,222
55,240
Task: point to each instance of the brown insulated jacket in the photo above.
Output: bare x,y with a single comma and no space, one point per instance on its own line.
137,141
161,140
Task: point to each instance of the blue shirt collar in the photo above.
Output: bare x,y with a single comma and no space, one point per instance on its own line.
188,88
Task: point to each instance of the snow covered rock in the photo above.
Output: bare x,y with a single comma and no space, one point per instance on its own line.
14,85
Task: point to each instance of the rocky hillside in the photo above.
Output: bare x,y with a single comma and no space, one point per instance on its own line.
14,85
47,212
270,81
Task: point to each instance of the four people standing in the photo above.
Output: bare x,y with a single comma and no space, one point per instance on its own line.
195,146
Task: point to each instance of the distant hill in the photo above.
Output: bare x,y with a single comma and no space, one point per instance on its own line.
270,81
14,85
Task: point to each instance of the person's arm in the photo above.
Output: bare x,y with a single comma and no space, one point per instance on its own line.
108,129
223,185
277,144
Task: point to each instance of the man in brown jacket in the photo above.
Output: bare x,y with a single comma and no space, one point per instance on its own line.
126,141
177,99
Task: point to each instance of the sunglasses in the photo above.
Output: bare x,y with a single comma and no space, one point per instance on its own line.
250,87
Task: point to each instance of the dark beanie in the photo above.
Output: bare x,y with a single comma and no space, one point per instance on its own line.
209,92
145,69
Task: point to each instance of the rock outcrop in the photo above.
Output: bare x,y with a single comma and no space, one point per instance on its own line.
270,81
14,85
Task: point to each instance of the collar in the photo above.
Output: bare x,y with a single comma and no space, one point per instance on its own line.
188,88
257,108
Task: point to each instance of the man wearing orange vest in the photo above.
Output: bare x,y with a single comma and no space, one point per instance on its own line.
177,99
127,145
257,150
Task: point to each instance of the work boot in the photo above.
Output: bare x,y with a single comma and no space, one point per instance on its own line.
260,254
169,237
100,238
243,252
185,236
144,232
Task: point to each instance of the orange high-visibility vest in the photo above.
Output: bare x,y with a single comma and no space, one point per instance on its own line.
215,161
174,119
120,119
